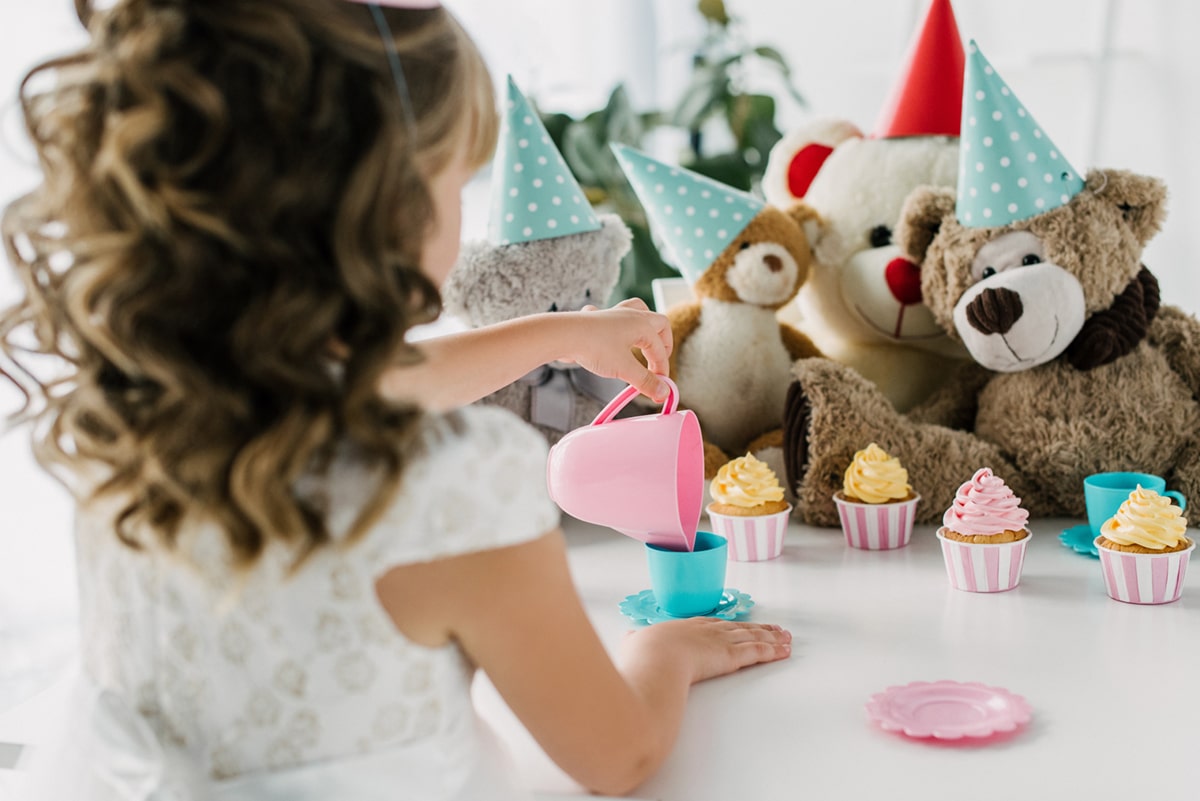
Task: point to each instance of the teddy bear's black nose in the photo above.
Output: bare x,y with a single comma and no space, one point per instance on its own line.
995,311
773,262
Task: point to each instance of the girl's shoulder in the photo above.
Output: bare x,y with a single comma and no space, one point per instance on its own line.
477,427
478,481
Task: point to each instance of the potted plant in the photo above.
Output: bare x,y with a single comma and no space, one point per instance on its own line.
716,94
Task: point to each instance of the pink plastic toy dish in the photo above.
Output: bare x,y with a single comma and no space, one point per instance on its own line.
948,710
643,476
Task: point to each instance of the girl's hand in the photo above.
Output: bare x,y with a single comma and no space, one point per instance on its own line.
706,647
605,341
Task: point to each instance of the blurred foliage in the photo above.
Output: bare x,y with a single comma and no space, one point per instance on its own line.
584,144
715,94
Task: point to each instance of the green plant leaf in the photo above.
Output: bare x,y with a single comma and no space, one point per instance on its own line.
775,57
583,153
621,122
707,92
730,169
761,136
556,125
641,266
714,11
752,121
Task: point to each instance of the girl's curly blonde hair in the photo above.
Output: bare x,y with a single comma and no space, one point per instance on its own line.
230,187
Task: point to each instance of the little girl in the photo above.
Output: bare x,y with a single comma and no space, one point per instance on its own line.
293,552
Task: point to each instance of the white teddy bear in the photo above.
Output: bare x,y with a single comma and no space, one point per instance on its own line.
862,303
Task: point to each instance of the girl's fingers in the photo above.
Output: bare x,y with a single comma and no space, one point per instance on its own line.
667,338
658,359
754,652
647,382
769,635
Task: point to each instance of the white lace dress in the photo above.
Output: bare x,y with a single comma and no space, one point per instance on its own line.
297,687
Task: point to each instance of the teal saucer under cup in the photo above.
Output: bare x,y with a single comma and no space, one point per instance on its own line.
688,583
1105,492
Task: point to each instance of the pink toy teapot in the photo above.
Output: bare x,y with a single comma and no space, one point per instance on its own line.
643,476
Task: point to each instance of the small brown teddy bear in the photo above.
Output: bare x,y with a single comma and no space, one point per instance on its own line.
1078,369
744,260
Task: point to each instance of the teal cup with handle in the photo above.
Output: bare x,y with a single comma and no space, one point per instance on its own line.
689,583
1105,492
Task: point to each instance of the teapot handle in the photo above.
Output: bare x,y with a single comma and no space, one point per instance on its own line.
629,393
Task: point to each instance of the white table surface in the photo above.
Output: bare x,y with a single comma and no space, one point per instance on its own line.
1116,714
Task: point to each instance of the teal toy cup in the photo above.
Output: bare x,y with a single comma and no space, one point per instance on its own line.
1105,492
689,583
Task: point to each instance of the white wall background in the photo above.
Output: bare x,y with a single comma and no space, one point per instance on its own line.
1114,82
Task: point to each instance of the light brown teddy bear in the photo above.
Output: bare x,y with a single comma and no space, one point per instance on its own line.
1077,368
744,260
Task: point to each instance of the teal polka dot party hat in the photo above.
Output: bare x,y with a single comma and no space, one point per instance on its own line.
1008,169
534,194
694,216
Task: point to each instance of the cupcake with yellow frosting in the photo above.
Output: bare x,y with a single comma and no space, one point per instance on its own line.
748,509
876,504
1144,550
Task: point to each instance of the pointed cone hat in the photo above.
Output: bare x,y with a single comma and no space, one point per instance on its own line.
927,97
695,216
534,194
1008,169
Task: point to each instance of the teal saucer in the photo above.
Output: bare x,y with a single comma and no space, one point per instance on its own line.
643,608
1080,539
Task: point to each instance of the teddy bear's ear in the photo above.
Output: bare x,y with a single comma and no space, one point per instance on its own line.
807,218
461,285
925,208
616,236
796,159
1140,199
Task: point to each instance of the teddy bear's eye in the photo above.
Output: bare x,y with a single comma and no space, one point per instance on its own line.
587,293
988,272
880,236
553,307
744,246
1031,258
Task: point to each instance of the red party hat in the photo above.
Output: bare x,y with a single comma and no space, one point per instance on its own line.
927,100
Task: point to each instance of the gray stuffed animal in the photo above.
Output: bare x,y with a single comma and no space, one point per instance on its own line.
493,283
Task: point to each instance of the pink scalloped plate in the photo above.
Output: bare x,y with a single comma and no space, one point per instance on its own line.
948,710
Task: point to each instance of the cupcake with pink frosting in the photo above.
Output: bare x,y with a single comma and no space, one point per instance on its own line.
984,535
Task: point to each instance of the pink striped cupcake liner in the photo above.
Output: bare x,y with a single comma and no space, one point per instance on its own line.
1144,578
979,567
752,539
876,526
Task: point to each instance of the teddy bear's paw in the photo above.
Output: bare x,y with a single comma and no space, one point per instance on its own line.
809,484
797,420
830,413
